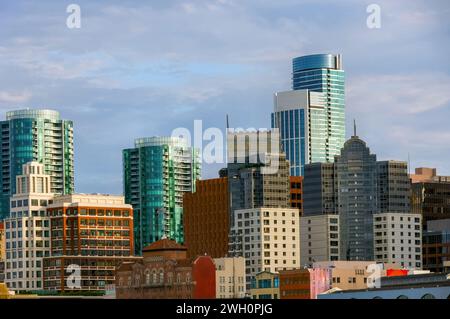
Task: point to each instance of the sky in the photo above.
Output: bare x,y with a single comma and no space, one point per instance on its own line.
143,68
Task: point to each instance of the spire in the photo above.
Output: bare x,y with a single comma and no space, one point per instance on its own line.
228,124
354,127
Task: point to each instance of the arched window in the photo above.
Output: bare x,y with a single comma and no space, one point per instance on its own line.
402,297
137,280
178,278
120,282
188,278
129,281
161,276
155,276
169,278
147,277
428,296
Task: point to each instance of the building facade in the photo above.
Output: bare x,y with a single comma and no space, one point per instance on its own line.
207,219
295,284
35,135
2,251
436,245
319,238
28,229
398,239
422,286
296,200
301,119
430,198
165,272
322,77
265,285
89,233
356,186
230,277
158,171
268,239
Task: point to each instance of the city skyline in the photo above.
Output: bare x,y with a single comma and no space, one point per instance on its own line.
114,89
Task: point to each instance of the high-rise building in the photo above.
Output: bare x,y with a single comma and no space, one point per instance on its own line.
398,239
206,218
230,277
40,136
91,233
311,118
356,186
366,187
319,238
436,245
430,195
258,173
268,239
158,171
28,229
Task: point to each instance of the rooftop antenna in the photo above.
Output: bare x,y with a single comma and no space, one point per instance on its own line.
354,127
228,124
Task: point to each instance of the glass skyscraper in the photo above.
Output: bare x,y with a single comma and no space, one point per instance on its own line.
312,120
157,173
39,136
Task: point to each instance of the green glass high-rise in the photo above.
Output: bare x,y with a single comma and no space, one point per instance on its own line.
156,174
40,136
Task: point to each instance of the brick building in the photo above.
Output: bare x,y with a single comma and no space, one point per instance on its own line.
165,272
91,233
206,218
295,284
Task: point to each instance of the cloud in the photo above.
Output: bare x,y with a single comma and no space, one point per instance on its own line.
399,94
142,68
14,97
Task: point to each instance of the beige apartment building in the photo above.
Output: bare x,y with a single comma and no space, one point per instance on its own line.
230,277
349,275
268,239
398,239
28,229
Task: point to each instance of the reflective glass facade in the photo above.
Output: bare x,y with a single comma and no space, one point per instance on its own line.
157,173
40,136
326,126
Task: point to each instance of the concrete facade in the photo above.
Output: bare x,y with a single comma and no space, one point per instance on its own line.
230,277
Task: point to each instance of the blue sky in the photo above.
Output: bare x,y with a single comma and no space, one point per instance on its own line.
143,68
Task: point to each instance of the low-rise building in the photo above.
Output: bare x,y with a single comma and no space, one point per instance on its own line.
422,286
230,277
295,284
265,285
165,272
398,239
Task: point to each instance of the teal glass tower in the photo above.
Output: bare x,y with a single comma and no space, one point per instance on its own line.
311,118
157,173
40,136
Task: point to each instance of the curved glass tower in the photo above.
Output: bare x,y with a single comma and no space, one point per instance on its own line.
311,118
157,173
35,135
324,73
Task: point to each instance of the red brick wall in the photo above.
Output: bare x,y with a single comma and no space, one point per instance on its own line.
204,274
